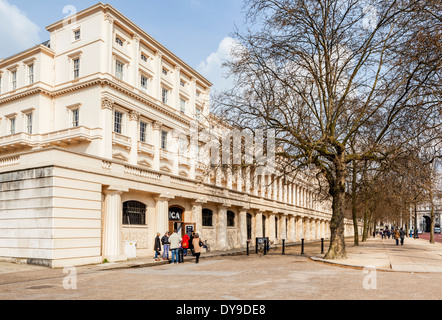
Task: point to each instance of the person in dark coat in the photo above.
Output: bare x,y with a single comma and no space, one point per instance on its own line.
192,235
157,247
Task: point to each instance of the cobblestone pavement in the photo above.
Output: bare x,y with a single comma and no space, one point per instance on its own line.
254,277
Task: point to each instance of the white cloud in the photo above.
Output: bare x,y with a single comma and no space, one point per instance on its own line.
212,68
17,31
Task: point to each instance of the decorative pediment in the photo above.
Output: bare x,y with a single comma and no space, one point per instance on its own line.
120,156
166,169
145,163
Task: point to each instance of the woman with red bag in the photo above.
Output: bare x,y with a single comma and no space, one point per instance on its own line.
185,243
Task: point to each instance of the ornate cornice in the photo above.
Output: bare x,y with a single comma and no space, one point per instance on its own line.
100,82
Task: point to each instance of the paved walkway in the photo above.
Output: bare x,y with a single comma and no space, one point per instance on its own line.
416,255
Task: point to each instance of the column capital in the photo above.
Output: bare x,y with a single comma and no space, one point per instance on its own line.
157,125
164,197
107,103
201,201
223,205
115,190
134,115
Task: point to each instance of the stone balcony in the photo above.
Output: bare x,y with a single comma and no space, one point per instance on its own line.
57,138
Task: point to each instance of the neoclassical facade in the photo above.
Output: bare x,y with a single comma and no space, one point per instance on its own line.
90,158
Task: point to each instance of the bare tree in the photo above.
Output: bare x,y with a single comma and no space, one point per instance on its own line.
324,73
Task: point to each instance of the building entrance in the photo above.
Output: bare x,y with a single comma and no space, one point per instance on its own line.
176,221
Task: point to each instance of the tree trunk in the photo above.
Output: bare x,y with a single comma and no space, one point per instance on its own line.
337,236
432,221
353,205
366,224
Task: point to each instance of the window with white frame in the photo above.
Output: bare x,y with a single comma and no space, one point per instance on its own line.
143,131
144,83
119,41
183,105
164,95
31,74
76,70
14,80
164,135
12,121
198,114
77,34
29,122
75,114
119,70
118,122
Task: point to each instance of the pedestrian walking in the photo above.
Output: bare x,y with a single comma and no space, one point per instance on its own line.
185,244
175,241
157,247
166,245
192,236
396,236
402,235
197,244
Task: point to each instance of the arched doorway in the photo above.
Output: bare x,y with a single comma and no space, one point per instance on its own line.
426,226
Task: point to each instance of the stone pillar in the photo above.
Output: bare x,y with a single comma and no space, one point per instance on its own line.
197,216
242,232
272,235
292,229
221,227
107,125
156,142
306,225
300,228
258,224
283,232
109,38
112,236
133,133
162,214
157,80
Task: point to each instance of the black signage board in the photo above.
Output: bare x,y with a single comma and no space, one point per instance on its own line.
175,215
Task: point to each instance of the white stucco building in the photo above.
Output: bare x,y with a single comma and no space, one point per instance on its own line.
89,155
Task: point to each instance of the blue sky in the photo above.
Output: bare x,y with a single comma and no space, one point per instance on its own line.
205,24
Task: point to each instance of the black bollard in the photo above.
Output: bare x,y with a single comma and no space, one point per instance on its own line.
283,246
322,245
248,253
265,246
256,246
302,246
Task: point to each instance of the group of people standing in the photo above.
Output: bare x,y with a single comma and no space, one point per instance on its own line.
397,234
173,243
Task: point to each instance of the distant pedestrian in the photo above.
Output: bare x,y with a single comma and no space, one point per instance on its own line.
166,245
402,235
396,236
197,244
157,247
175,241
